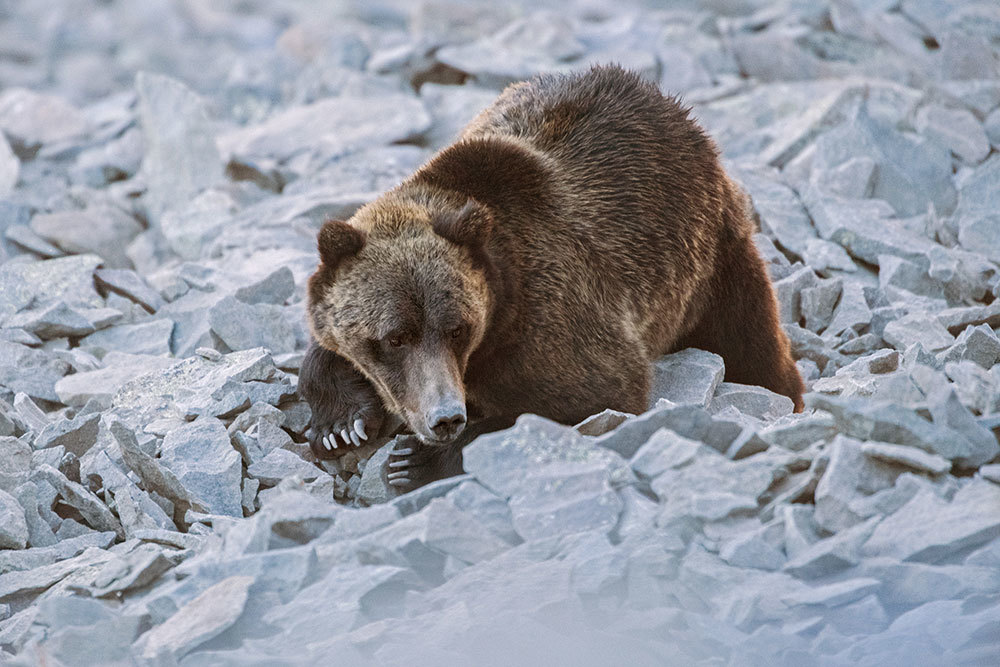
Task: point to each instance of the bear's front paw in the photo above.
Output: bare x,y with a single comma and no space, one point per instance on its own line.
332,432
409,465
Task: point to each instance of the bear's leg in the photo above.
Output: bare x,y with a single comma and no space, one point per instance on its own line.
740,324
346,410
413,464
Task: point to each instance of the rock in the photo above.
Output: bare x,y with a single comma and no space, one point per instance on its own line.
318,129
31,119
822,256
120,369
501,460
201,457
201,619
104,231
68,279
490,510
117,160
816,304
752,550
563,498
601,423
851,313
150,338
55,321
180,158
797,431
76,435
281,464
751,400
275,289
956,129
95,512
910,457
688,377
134,570
979,234
852,179
13,527
843,493
918,327
37,557
10,168
894,424
930,528
374,486
459,534
131,285
787,291
40,578
33,372
832,554
662,451
978,344
982,447
451,108
243,326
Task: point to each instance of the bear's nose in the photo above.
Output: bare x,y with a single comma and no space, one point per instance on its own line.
447,421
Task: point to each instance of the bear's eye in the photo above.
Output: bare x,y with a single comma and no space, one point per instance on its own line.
395,341
455,333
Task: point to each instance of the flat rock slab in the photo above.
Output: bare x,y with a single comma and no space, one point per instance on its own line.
688,377
751,400
13,526
201,619
930,529
120,369
202,458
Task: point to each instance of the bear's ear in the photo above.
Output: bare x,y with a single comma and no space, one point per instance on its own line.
469,226
338,240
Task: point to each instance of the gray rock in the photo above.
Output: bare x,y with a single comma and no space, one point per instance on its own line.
601,423
832,554
10,168
665,450
885,422
930,528
276,288
992,127
133,570
31,119
980,234
501,460
851,313
69,279
37,557
40,578
751,400
104,231
76,435
978,344
243,326
687,377
150,338
797,431
489,509
15,462
816,304
850,479
95,512
281,464
451,109
13,526
374,487
120,369
991,472
54,321
459,534
319,128
131,285
181,158
822,256
956,129
201,619
852,179
752,550
787,291
201,457
116,160
33,372
910,457
917,327
982,447
563,498
36,499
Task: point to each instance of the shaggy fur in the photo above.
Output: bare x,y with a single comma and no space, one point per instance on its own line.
580,227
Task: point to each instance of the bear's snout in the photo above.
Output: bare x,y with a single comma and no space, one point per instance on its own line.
446,420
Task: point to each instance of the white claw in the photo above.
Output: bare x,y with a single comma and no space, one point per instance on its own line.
397,475
405,451
345,437
354,439
326,441
400,464
359,427
399,482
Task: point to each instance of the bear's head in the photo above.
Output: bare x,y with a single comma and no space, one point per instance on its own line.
402,291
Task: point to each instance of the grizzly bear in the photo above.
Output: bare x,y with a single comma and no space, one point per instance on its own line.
578,229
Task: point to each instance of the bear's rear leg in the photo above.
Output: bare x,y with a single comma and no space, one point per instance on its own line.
740,323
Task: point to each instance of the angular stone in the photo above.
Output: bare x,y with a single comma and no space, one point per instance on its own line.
275,289
601,423
982,447
885,422
751,400
76,435
138,568
90,506
181,158
850,479
281,464
489,509
374,487
37,557
40,578
459,534
500,461
956,129
665,450
131,285
13,527
852,179
201,619
201,457
852,311
797,431
34,372
145,338
930,528
687,377
816,304
832,554
562,498
822,256
978,344
787,291
103,231
101,384
981,234
752,551
31,119
917,327
243,326
10,168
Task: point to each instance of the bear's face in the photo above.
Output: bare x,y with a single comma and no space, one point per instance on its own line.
408,307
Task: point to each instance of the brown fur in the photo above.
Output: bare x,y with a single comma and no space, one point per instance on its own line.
584,226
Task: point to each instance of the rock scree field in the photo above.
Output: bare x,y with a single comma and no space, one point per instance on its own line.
164,169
